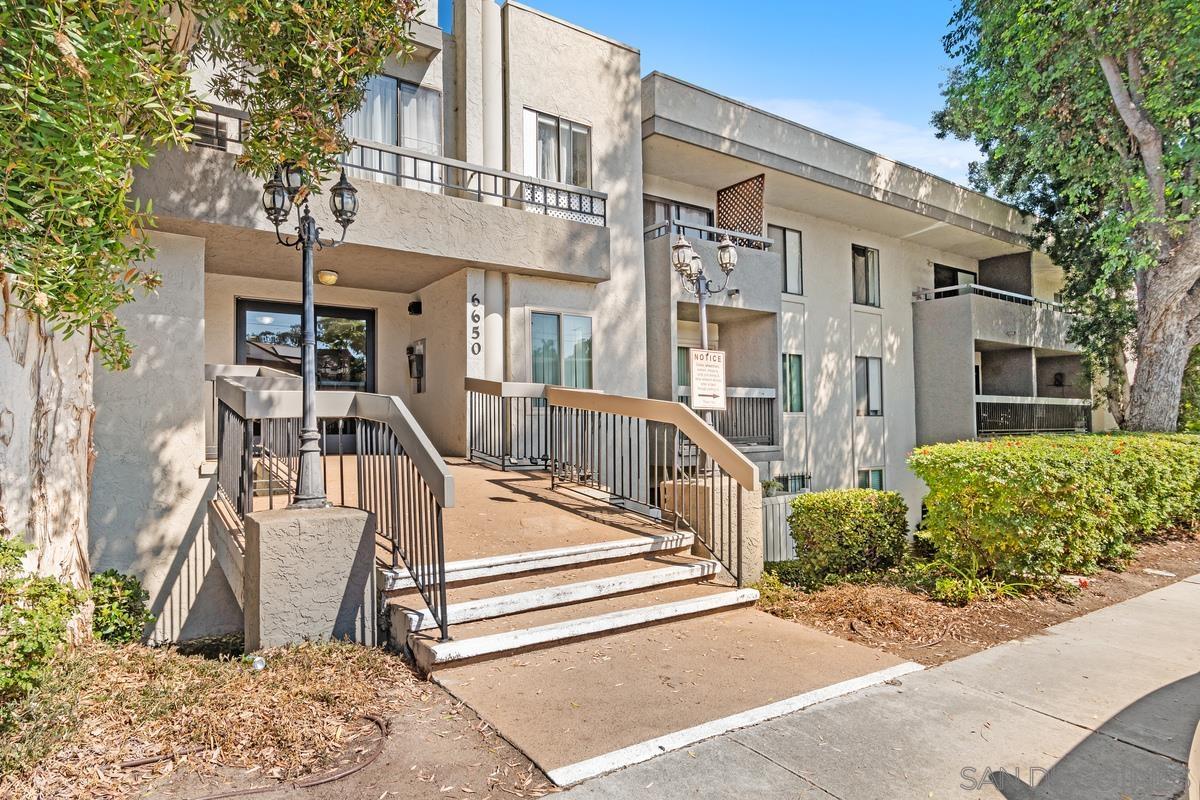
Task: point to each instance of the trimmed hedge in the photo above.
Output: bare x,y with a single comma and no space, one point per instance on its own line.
1033,508
844,532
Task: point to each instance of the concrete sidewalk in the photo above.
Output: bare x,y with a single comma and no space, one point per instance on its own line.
1103,706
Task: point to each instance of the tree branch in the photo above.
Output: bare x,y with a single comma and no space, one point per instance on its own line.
1148,137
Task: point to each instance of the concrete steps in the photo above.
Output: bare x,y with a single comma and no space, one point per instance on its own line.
512,603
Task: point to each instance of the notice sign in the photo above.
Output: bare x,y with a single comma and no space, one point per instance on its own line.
708,379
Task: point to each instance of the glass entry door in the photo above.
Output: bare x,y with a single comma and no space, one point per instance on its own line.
268,335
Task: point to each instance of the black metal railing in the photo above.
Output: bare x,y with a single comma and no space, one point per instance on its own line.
1017,417
748,418
984,291
374,457
651,457
219,127
705,233
509,429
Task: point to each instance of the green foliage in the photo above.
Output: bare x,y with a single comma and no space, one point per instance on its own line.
843,532
1189,399
120,614
949,583
89,89
34,612
1033,508
1028,86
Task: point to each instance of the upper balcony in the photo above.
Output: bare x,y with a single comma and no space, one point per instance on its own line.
994,315
756,281
421,216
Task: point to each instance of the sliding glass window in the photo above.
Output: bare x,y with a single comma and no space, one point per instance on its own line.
399,114
561,347
789,244
868,385
866,275
557,149
793,383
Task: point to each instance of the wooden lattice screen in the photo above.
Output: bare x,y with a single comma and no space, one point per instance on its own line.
740,208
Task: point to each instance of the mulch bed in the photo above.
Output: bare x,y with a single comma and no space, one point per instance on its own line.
914,627
115,722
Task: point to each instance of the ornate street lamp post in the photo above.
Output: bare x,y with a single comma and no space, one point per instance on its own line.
279,195
690,269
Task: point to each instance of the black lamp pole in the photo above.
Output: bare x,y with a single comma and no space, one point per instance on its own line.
693,281
278,199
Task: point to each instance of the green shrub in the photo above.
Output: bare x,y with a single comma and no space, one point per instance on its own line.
1032,508
34,612
120,615
842,533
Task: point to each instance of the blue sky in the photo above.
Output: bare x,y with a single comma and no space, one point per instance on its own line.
867,72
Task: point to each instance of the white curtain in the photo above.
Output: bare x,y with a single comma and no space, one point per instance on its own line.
375,121
421,130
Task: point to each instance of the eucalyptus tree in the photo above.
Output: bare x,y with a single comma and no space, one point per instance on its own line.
89,89
1089,114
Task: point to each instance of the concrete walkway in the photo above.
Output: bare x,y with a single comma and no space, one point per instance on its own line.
1103,706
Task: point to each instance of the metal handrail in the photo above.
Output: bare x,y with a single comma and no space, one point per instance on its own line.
705,232
983,291
1049,401
395,472
735,391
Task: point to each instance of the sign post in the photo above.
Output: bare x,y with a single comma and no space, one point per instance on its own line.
708,379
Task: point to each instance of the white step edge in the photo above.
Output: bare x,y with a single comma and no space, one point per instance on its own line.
635,754
459,649
503,605
513,563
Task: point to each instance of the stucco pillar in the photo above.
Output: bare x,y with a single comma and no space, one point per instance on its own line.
310,574
493,325
493,88
468,38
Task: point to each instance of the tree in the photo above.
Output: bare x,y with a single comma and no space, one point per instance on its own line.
88,90
1089,113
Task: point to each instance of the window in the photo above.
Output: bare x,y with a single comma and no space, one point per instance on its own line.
557,149
793,382
866,275
396,113
683,366
562,349
868,385
788,242
870,478
268,335
792,484
692,220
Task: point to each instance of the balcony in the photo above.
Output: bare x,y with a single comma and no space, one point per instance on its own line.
993,315
1000,415
749,416
435,214
757,280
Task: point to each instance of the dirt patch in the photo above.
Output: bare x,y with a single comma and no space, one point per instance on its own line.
914,627
117,722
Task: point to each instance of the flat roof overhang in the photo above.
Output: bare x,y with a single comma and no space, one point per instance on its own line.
693,136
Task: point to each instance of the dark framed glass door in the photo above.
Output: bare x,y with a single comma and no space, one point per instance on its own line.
268,335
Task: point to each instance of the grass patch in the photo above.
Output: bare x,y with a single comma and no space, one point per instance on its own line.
102,705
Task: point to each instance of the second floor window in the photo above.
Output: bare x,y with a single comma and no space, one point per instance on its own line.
557,149
788,243
562,349
793,382
868,386
402,115
866,275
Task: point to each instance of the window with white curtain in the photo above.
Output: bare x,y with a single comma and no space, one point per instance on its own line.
557,149
398,114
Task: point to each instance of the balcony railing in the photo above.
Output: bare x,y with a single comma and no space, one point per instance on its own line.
706,233
984,291
748,418
1000,415
221,128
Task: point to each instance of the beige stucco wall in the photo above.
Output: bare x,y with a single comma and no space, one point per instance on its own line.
441,409
148,488
560,69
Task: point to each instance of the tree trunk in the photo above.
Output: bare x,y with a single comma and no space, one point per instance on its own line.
46,451
1167,317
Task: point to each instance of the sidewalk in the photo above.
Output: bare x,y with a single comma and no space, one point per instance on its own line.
1103,706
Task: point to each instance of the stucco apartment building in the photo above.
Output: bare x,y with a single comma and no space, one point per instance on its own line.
520,187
